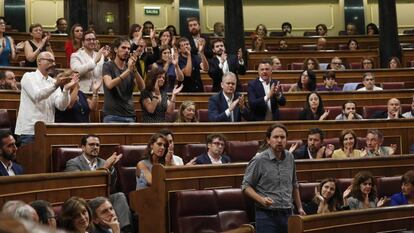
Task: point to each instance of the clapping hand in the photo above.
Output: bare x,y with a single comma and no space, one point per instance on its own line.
201,43
112,160
324,115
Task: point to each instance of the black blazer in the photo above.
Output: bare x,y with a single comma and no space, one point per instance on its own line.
216,73
382,115
301,152
204,159
207,48
17,168
147,58
258,107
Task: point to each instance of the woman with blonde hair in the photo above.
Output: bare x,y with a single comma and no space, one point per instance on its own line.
187,112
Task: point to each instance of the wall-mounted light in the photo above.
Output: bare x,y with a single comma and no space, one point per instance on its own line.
109,17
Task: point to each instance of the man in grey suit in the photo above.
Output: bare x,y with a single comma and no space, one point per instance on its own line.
89,161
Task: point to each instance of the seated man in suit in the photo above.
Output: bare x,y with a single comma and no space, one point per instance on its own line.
103,216
265,95
227,105
89,161
7,156
222,63
393,110
314,149
215,149
374,146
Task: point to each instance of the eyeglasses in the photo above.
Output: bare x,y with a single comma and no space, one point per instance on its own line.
337,63
218,144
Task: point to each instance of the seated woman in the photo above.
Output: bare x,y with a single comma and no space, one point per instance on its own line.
394,63
348,142
7,49
353,45
276,64
372,29
79,106
260,31
306,82
39,43
169,63
187,112
313,109
406,196
75,216
367,63
74,42
327,198
310,63
362,193
321,30
154,99
258,44
155,153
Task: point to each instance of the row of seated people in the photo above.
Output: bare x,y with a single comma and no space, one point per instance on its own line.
76,214
218,150
222,208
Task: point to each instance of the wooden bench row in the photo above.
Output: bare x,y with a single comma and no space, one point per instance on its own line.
291,76
54,187
153,202
10,100
36,157
365,42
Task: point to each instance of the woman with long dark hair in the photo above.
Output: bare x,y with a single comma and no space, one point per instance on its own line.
313,109
74,42
327,198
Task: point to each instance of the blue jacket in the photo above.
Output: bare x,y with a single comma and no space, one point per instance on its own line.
216,73
217,105
204,159
398,199
258,106
17,168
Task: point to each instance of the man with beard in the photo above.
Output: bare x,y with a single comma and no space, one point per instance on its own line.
40,95
191,64
7,156
120,77
222,63
314,148
89,161
393,110
193,25
348,112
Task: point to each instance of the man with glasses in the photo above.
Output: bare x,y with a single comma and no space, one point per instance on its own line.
40,95
368,79
336,64
45,212
215,149
89,161
227,105
88,63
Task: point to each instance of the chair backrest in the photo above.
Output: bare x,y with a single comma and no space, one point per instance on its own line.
333,112
171,117
355,65
126,179
343,183
5,125
208,88
296,66
242,151
309,33
368,111
286,114
307,191
202,115
393,85
232,207
193,150
61,155
286,86
333,141
131,155
342,46
387,186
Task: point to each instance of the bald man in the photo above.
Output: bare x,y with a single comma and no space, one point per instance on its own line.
393,110
40,95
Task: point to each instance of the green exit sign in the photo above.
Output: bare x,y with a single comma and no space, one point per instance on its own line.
151,10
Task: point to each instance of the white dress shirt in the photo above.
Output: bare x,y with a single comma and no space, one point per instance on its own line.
38,99
92,164
214,161
266,87
223,66
81,62
229,102
9,169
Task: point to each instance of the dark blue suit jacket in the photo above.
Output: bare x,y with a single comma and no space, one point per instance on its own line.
217,105
258,106
216,73
17,168
204,159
